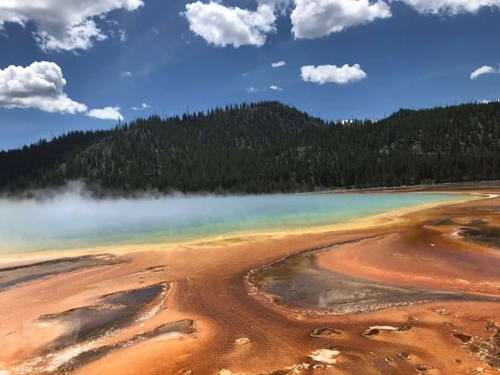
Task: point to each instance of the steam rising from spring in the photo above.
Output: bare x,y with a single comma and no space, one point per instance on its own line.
72,218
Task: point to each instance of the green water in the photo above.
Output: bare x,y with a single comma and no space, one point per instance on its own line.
73,221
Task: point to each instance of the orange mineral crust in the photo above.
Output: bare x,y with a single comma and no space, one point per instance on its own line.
418,293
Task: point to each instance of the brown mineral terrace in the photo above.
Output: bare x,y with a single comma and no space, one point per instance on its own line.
410,292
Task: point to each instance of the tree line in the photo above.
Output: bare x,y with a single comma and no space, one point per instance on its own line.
266,147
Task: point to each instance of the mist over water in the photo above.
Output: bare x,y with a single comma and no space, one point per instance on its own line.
72,219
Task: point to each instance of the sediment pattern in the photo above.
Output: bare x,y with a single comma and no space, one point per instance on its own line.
418,296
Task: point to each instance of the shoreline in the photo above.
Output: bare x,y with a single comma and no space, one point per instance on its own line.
388,218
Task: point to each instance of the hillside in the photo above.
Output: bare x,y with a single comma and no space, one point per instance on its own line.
267,147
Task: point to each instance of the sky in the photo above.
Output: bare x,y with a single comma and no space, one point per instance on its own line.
69,64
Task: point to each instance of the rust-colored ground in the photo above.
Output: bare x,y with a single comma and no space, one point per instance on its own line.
208,285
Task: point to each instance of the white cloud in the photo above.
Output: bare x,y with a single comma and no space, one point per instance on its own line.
123,35
483,70
322,74
252,90
317,18
106,113
281,6
450,7
63,25
126,74
278,64
222,26
142,107
39,85
275,3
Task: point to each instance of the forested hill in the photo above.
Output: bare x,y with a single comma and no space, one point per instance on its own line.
266,147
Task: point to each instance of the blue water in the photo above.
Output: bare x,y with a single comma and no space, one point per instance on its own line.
73,220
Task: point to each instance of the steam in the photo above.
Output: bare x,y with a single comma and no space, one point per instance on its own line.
71,217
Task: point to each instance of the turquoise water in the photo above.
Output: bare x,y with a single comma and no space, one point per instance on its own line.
72,220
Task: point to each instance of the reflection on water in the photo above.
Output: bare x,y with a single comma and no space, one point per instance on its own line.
75,220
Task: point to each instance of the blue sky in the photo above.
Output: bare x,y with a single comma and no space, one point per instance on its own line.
399,54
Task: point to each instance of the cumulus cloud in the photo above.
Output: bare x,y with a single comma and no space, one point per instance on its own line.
450,7
483,70
106,113
317,18
278,64
39,85
142,107
275,88
126,74
222,26
63,25
322,74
